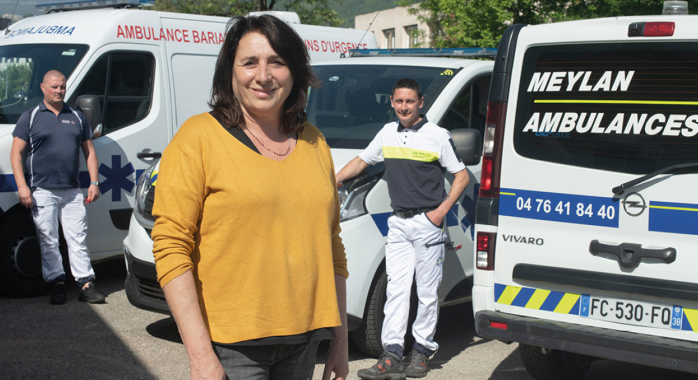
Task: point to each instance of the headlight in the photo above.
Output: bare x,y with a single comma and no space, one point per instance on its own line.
145,192
352,199
352,196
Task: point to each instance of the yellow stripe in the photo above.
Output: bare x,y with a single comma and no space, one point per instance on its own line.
153,174
500,193
675,208
537,299
509,294
692,316
566,303
585,101
409,154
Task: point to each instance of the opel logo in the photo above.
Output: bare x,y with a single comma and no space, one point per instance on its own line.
634,204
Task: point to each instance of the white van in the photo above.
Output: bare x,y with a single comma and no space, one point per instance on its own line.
587,221
350,108
137,75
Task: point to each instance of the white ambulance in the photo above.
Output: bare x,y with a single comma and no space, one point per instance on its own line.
350,108
587,221
137,75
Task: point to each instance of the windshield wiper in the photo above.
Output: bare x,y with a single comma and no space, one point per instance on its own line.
618,190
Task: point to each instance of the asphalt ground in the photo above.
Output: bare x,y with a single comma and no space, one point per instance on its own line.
118,341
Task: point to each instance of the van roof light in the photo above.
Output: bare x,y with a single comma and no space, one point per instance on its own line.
675,8
429,52
91,4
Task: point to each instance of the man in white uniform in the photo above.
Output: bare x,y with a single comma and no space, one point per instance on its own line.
45,159
416,153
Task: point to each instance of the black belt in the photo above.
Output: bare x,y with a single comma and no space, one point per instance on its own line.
407,214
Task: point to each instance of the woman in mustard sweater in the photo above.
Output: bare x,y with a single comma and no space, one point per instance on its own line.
246,241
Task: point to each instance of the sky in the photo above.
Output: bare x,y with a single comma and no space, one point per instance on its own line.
23,6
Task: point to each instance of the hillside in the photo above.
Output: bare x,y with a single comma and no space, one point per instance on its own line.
350,8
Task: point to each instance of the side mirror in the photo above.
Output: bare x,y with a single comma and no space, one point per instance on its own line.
89,105
468,144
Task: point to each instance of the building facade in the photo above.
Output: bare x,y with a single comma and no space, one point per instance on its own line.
395,28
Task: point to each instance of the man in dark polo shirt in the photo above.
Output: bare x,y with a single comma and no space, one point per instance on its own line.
45,158
416,153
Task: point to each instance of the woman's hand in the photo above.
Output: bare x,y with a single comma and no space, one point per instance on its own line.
206,368
337,360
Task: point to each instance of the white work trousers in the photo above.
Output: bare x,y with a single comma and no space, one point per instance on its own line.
415,246
66,204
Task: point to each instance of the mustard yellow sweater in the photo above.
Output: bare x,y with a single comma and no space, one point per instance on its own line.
260,236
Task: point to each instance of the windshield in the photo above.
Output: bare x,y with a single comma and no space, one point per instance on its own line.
22,69
353,103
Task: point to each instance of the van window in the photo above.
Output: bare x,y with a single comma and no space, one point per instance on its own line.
469,110
628,107
353,103
123,83
22,69
191,95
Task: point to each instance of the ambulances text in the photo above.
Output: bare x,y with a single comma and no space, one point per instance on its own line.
168,34
636,124
43,29
333,46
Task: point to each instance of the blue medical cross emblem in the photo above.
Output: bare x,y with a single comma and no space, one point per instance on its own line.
116,178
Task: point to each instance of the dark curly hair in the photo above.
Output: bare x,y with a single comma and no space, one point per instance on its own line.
288,45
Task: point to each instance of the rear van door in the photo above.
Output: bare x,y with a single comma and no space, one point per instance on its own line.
573,245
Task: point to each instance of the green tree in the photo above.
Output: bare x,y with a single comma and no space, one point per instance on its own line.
316,12
14,79
481,23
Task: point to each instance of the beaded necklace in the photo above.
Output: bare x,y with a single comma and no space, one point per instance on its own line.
265,147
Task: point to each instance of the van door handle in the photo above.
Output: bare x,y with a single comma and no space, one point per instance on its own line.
149,155
629,254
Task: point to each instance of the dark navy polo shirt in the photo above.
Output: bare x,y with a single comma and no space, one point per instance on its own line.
415,159
54,143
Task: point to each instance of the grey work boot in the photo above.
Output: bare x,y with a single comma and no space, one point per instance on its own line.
418,365
91,295
389,366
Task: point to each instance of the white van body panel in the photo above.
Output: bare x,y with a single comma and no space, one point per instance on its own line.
547,233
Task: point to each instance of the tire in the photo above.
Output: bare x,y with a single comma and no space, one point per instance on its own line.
368,336
20,256
549,364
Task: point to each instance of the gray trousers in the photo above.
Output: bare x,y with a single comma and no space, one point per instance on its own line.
268,362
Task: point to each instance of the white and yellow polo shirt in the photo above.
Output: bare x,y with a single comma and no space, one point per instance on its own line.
415,160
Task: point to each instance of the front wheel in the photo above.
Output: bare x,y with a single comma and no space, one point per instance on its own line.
368,336
20,256
548,364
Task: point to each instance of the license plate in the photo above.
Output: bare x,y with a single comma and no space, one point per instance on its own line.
631,312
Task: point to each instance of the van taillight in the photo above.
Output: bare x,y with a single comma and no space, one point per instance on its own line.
485,250
492,149
651,29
